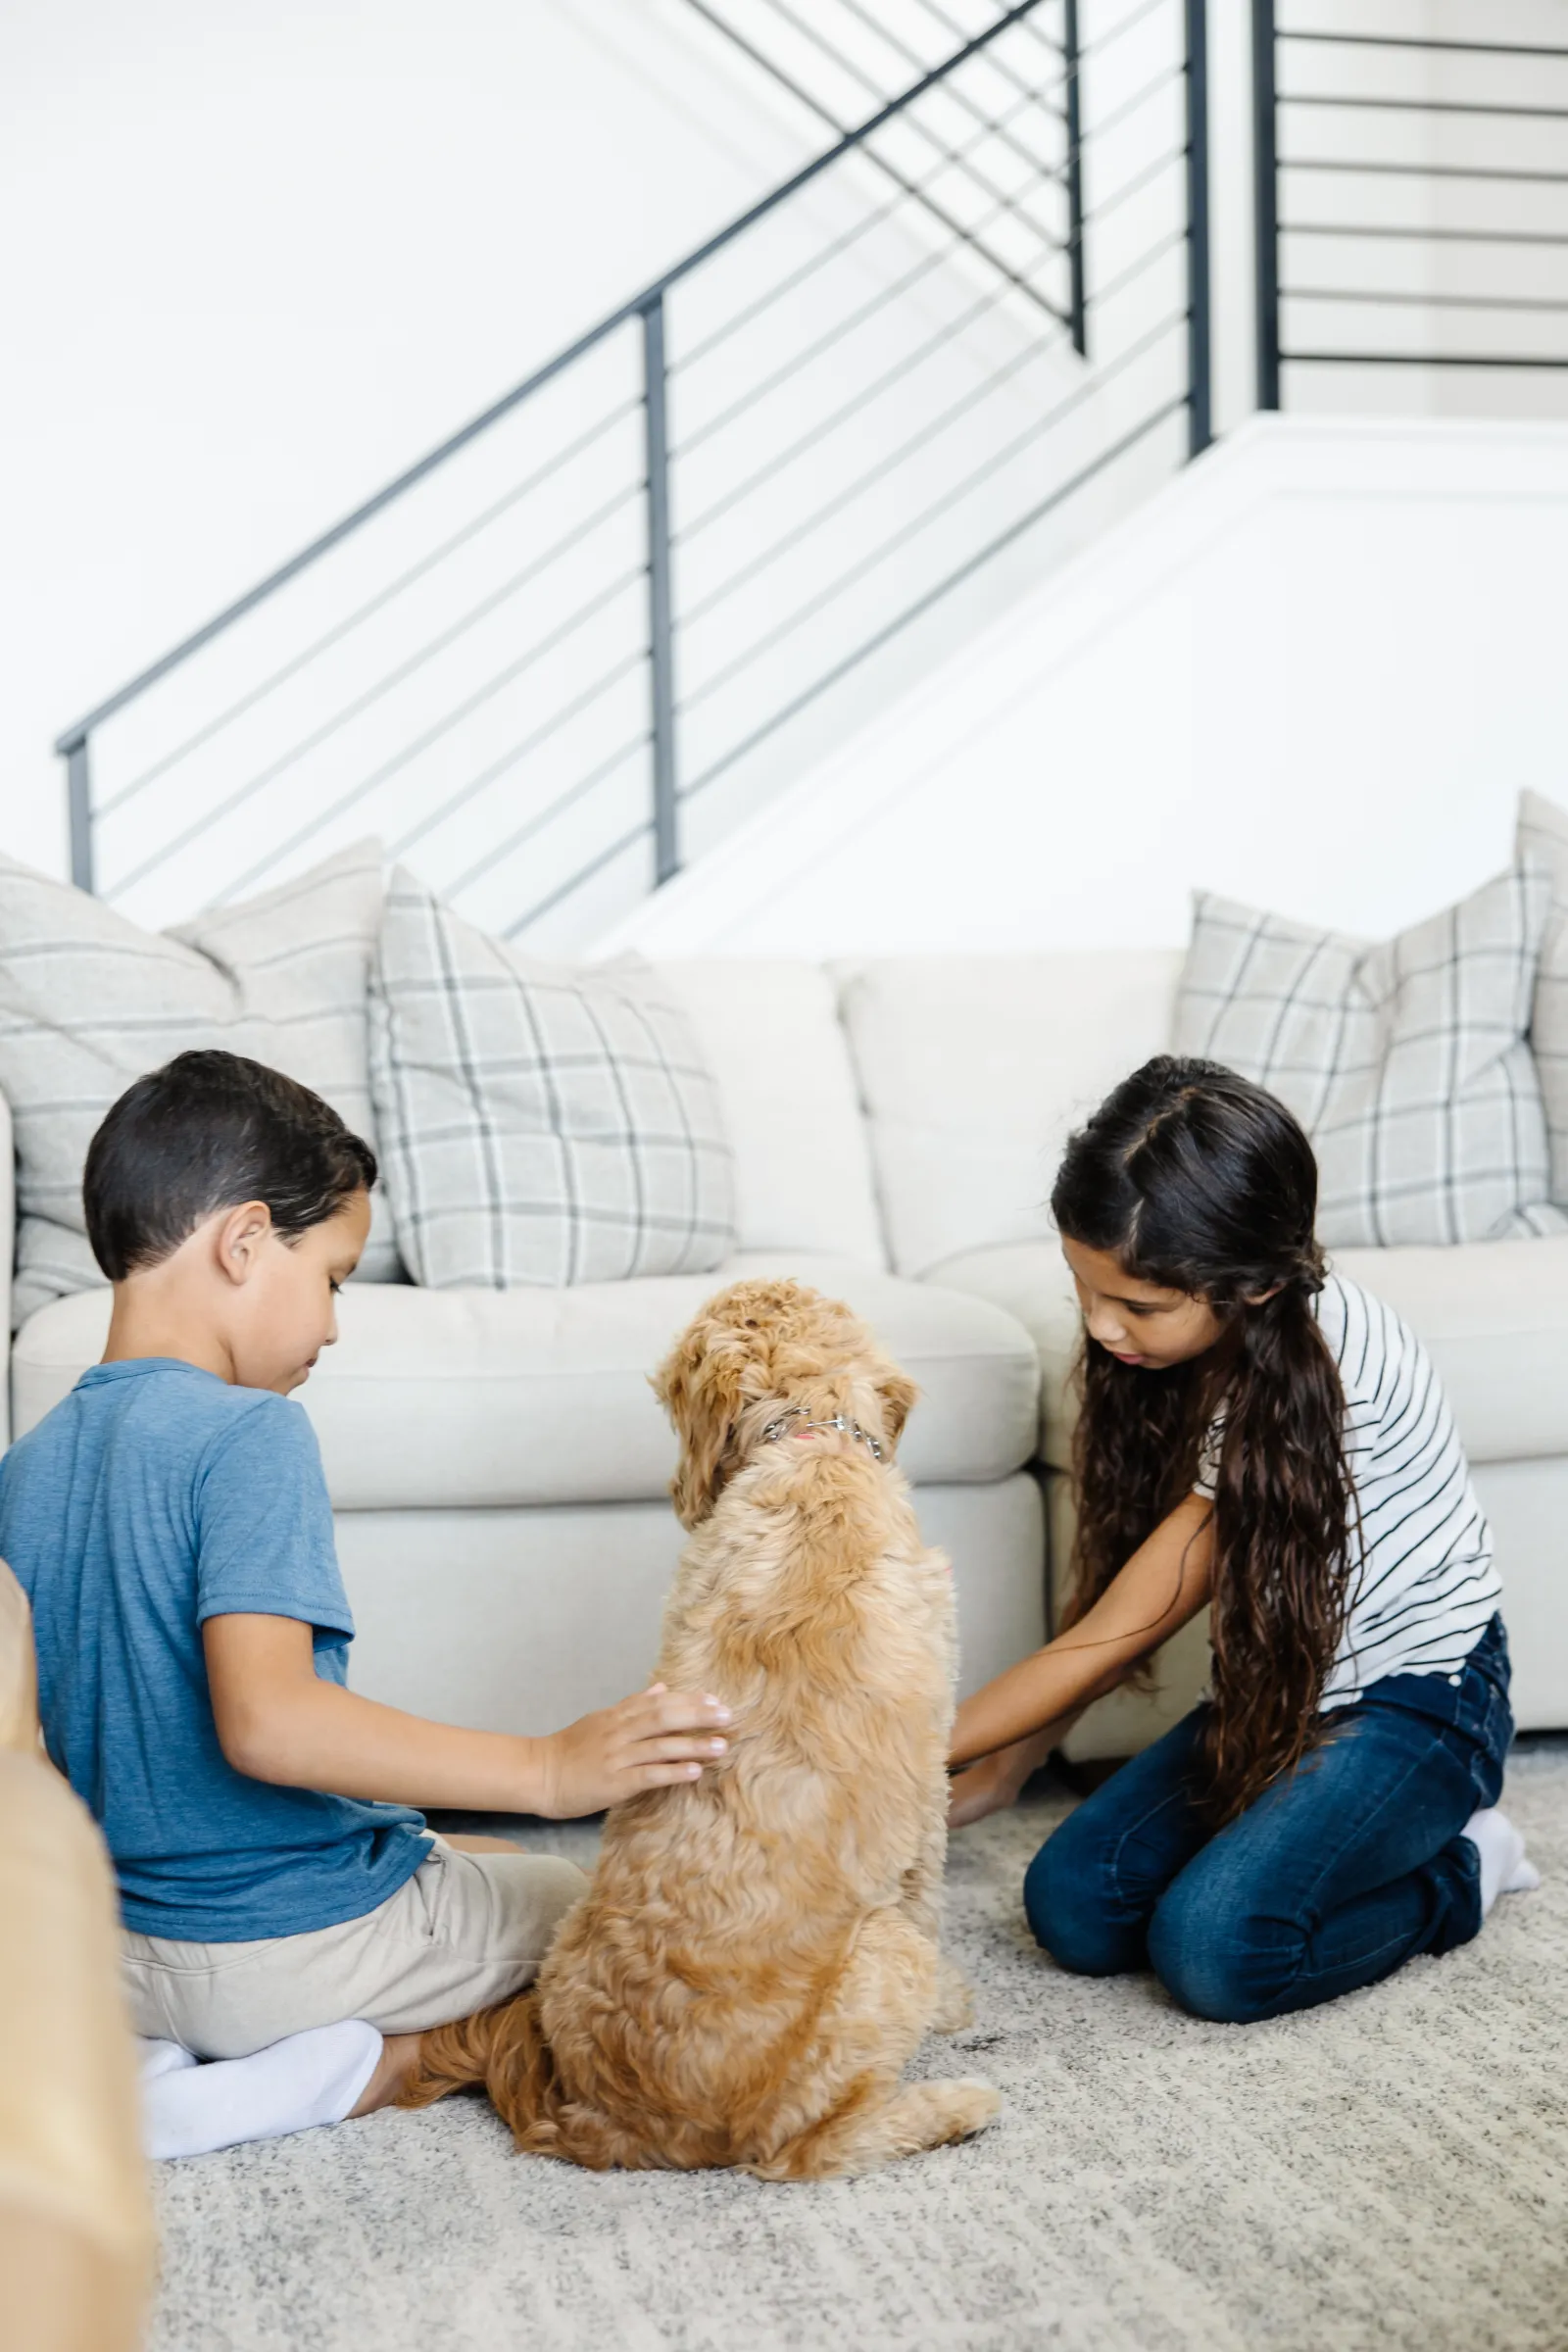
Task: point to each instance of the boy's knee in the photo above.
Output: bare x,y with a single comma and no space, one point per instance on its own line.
1221,1962
527,1896
1066,1909
554,1885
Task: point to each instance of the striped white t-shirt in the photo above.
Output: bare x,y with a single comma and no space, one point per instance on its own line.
1424,1587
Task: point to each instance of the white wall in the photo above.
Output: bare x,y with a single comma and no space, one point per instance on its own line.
254,260
1314,674
320,309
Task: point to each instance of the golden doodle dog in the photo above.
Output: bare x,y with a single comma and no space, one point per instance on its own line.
756,1958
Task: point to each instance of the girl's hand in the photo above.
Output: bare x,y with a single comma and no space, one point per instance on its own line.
1164,1585
983,1789
996,1782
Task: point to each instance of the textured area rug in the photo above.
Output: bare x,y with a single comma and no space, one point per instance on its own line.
1387,2172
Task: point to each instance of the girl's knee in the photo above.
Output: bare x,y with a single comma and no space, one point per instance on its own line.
1220,1963
1066,1909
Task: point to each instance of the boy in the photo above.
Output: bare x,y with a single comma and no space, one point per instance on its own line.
170,1524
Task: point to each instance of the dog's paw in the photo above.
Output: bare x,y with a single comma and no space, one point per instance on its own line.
955,2002
956,2110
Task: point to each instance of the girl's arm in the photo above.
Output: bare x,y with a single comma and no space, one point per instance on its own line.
1164,1583
277,1720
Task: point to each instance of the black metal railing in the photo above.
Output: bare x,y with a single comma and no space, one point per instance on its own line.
842,57
1411,193
571,645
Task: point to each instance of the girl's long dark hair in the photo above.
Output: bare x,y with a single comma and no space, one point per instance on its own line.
1195,1180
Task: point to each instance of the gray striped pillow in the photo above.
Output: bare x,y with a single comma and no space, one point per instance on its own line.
90,1001
1406,1061
544,1124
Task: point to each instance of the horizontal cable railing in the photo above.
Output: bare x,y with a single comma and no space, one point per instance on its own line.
1412,193
583,637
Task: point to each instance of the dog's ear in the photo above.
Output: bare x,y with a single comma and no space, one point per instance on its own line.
899,1396
702,1386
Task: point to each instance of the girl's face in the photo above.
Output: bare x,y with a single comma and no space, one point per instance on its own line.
1138,1322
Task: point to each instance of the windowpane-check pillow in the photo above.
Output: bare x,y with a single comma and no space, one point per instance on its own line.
1407,1060
90,1001
1543,836
544,1124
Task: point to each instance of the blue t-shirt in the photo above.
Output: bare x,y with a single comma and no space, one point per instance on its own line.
153,1497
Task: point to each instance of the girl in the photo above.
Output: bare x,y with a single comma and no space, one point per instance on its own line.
1261,1436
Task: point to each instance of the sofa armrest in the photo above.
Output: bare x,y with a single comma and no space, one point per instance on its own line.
8,1259
75,2218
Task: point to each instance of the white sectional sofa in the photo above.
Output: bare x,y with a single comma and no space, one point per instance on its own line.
498,1462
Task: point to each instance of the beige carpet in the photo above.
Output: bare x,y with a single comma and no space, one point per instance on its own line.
1388,2171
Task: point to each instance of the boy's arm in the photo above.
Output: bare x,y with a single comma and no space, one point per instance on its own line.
278,1721
1164,1583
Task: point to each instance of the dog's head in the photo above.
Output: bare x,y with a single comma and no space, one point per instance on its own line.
753,1348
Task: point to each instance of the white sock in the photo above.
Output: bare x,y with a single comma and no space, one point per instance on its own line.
1504,1868
157,2058
314,2078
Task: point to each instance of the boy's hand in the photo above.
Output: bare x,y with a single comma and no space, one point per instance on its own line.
649,1741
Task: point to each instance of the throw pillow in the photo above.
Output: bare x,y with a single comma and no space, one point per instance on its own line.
544,1124
1543,835
1406,1061
90,1001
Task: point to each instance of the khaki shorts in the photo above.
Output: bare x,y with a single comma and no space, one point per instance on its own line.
464,1931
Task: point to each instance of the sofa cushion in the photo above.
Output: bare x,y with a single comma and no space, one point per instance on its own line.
770,1034
1492,1314
972,1070
1029,1280
544,1124
90,1001
1407,1060
437,1398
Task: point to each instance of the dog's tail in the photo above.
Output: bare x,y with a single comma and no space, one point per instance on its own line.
505,2049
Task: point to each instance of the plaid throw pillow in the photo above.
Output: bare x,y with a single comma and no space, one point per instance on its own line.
1543,836
1405,1061
90,1001
543,1124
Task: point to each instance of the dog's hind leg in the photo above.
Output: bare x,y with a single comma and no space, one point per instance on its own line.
867,2133
856,2112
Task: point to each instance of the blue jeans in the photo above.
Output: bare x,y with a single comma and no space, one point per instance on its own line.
1336,1874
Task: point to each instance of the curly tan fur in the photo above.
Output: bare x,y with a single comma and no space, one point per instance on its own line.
756,1958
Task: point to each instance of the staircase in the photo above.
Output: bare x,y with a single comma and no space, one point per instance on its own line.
609,618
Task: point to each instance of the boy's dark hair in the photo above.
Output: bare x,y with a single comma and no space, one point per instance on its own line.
206,1132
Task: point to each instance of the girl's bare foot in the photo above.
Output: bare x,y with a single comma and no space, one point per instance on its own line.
399,2059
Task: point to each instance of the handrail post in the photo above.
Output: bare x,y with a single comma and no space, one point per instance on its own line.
1200,393
1070,58
660,623
1265,202
79,803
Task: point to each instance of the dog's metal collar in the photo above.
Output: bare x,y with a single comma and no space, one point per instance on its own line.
781,1426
